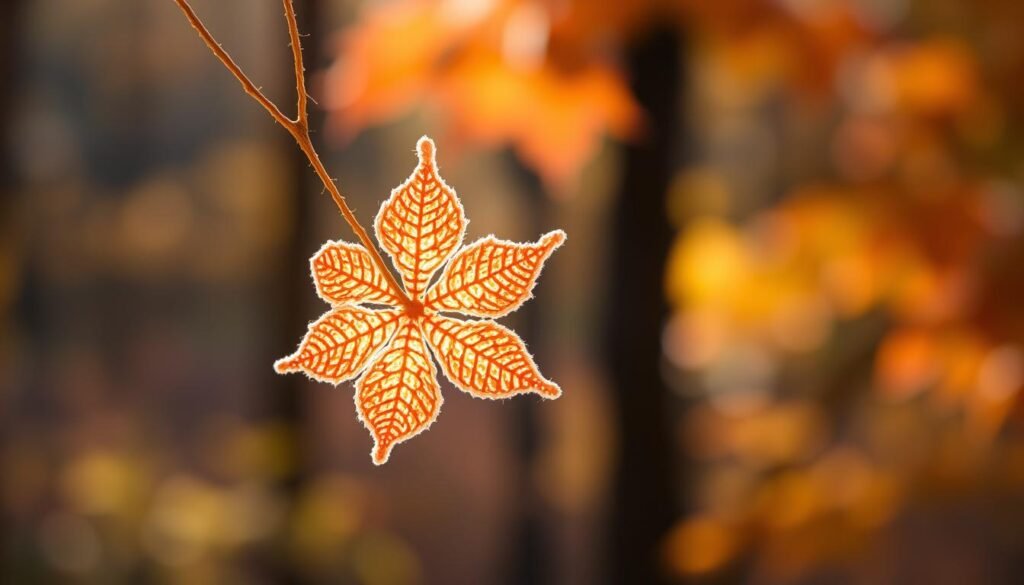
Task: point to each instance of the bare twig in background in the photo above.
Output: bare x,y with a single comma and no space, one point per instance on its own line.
297,127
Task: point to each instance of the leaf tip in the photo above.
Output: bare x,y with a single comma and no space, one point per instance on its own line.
381,453
425,147
286,365
554,239
549,390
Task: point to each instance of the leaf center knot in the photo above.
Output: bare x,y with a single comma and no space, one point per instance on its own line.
414,309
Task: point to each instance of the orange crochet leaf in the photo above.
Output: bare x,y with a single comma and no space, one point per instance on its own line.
345,273
339,344
399,397
422,223
491,277
421,226
485,359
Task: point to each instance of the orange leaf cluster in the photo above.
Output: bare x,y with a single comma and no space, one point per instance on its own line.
487,69
543,77
421,227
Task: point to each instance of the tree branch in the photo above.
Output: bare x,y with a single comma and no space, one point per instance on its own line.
247,84
298,128
300,71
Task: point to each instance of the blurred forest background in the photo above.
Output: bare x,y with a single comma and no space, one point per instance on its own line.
788,322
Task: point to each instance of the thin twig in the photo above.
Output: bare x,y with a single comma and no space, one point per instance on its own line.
298,128
247,84
300,70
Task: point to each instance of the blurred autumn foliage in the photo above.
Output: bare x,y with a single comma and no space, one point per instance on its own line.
841,361
846,283
503,73
859,336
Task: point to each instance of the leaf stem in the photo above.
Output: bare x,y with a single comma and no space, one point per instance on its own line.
297,127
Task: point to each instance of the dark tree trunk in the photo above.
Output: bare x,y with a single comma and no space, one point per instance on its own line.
294,281
290,295
531,558
11,57
644,505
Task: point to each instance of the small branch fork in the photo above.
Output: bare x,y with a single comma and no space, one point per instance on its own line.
297,127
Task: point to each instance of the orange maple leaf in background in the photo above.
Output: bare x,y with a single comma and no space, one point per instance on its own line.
421,226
